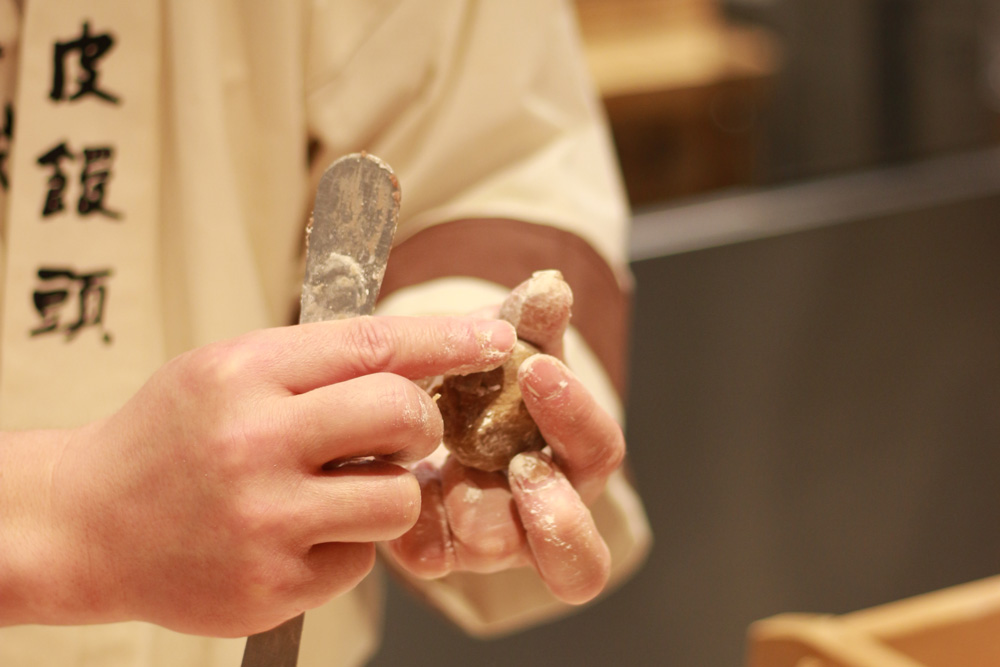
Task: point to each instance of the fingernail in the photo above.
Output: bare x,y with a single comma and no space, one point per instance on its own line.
531,470
544,376
496,335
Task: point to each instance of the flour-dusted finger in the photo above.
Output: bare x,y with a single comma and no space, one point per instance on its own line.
426,550
539,308
586,441
568,551
485,530
383,415
369,501
308,356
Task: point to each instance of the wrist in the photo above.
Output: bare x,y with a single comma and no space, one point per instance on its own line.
47,573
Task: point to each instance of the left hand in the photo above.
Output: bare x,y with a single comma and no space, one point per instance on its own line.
537,514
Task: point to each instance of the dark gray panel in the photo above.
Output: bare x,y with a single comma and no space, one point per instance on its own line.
815,423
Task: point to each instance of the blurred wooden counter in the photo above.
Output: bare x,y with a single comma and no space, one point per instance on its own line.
946,628
683,92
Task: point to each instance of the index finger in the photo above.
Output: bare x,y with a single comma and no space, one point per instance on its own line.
313,355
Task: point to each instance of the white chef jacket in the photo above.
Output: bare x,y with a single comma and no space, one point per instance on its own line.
158,158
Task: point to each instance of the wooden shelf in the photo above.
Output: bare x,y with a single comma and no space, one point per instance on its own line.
650,46
682,89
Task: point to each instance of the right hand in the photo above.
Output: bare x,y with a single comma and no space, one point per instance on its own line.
232,492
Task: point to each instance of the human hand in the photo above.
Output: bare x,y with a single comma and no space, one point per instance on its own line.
236,488
536,513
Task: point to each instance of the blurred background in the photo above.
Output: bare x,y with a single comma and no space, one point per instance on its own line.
814,418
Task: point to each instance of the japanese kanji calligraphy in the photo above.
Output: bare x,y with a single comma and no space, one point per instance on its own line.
89,49
80,167
94,176
57,180
57,292
6,135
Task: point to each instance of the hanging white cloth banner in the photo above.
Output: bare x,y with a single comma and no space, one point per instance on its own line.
10,21
81,327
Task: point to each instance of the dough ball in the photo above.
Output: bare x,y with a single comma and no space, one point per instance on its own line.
485,420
